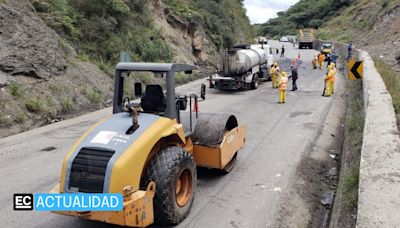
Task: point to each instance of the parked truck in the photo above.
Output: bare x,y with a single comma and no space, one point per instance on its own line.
306,38
243,66
327,48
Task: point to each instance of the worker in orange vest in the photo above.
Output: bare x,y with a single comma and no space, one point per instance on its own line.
282,87
314,62
329,80
321,59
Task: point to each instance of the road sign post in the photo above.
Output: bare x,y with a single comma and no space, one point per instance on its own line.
355,69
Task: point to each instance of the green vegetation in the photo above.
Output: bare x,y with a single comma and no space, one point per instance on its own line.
109,70
83,57
35,105
100,29
392,81
5,121
354,128
93,96
16,89
67,104
224,20
143,77
343,21
304,14
20,117
182,78
357,20
350,187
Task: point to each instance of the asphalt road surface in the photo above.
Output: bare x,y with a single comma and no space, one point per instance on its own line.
277,135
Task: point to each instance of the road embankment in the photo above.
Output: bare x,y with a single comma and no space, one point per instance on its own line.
379,174
379,185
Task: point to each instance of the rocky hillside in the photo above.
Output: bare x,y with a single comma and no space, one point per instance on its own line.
57,56
373,25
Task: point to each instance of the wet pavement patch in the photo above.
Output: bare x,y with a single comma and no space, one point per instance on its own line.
296,114
47,149
311,126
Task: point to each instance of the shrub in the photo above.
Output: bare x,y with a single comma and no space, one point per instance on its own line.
67,104
16,89
92,95
5,121
35,105
83,57
106,68
20,117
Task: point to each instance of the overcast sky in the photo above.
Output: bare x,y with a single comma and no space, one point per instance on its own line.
259,11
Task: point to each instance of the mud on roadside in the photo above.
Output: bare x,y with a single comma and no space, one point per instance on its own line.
309,200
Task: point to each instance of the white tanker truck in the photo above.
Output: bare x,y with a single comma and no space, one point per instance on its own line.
243,66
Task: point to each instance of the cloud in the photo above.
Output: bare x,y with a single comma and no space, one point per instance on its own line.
260,11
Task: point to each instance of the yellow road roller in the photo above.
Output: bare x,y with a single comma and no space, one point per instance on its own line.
149,151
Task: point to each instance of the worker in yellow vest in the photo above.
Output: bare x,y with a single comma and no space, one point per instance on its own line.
277,73
283,80
333,78
329,81
272,72
274,75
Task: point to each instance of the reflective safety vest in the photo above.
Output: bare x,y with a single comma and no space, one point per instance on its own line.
283,83
334,74
272,71
276,71
330,77
321,57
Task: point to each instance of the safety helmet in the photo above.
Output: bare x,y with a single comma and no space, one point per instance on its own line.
333,64
283,74
275,64
330,67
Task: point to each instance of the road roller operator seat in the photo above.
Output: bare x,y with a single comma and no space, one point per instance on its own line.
153,100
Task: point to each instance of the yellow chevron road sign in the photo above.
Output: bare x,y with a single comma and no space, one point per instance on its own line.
355,69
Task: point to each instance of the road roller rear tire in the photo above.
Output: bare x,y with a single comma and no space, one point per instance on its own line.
174,171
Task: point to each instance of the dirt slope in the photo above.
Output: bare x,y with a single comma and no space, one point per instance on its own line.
40,80
43,44
188,40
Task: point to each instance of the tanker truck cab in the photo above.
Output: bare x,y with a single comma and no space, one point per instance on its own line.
242,68
149,150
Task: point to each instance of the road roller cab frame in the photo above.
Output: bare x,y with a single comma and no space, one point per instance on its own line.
149,151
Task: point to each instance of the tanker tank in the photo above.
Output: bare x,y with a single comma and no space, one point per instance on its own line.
241,61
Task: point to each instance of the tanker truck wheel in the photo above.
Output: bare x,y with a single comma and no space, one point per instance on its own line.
174,171
254,83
